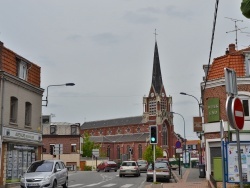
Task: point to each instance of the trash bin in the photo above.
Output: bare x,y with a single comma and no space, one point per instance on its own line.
202,171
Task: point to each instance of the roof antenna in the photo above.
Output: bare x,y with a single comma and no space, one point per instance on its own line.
155,34
236,29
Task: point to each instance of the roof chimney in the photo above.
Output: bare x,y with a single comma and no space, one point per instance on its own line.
231,48
227,52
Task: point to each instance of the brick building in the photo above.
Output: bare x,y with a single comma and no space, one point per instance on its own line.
21,109
68,136
118,137
214,98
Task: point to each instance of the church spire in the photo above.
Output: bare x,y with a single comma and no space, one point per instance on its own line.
156,77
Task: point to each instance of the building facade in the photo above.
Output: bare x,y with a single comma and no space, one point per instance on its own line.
21,109
214,98
67,137
128,138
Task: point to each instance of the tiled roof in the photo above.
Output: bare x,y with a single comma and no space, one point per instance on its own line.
112,122
233,60
137,137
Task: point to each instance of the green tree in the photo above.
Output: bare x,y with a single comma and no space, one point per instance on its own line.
88,145
245,8
148,154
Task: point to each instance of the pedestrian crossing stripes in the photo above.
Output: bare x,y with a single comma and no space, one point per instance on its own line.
107,185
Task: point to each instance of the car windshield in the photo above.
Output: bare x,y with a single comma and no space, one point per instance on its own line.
41,166
161,165
142,162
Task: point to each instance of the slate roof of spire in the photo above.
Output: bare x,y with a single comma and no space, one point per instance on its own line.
156,77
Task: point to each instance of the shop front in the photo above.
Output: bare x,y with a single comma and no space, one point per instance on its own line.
20,148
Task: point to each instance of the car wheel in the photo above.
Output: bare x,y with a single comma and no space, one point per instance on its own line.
98,170
54,184
115,170
120,175
147,180
65,185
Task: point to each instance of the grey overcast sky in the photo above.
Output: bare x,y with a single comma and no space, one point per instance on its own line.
106,48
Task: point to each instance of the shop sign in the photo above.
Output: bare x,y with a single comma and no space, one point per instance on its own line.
213,105
14,133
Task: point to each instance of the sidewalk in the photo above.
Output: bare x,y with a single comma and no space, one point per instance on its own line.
190,178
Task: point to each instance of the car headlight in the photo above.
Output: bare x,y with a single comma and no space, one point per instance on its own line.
22,179
47,178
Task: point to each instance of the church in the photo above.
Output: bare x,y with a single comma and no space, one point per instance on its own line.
128,137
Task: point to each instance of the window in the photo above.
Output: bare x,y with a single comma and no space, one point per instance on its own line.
73,130
138,129
119,131
163,104
13,109
109,131
118,152
73,148
22,70
247,63
53,129
164,135
244,97
128,130
108,151
140,151
28,110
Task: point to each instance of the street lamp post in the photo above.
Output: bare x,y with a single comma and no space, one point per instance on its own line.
200,136
185,140
47,101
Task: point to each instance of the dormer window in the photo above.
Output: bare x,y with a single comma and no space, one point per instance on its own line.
73,130
247,63
22,70
53,129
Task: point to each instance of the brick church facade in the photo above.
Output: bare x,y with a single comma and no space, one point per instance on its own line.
118,137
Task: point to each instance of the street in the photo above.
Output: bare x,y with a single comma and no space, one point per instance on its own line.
95,179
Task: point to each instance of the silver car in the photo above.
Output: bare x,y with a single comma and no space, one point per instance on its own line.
162,172
129,168
45,173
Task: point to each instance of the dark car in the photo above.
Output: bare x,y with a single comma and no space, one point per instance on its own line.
143,165
106,166
162,171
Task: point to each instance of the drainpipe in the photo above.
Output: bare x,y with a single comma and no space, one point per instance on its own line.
2,105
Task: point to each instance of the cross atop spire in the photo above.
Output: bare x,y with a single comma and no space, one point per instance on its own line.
155,34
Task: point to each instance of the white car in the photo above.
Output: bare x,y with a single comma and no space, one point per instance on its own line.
45,173
129,168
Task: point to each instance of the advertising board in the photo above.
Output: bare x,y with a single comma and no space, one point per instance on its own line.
232,162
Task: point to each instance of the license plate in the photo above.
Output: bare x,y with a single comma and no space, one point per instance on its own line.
33,184
128,170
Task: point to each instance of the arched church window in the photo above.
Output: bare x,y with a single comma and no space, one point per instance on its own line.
129,156
118,152
163,104
164,135
108,151
109,131
138,129
140,151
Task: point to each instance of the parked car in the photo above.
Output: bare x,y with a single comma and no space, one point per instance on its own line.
129,168
143,165
162,172
106,166
45,173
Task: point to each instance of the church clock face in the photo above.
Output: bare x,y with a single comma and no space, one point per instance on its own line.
163,94
152,94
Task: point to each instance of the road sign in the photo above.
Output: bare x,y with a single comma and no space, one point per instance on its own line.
58,149
178,150
95,152
178,144
238,113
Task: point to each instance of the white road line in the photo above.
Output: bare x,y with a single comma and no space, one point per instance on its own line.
75,185
109,185
127,185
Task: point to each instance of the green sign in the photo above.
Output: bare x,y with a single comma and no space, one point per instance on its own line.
213,105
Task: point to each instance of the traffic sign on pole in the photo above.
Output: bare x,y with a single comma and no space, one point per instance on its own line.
178,144
238,113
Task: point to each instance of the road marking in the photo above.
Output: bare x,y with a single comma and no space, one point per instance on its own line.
109,185
75,185
127,185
